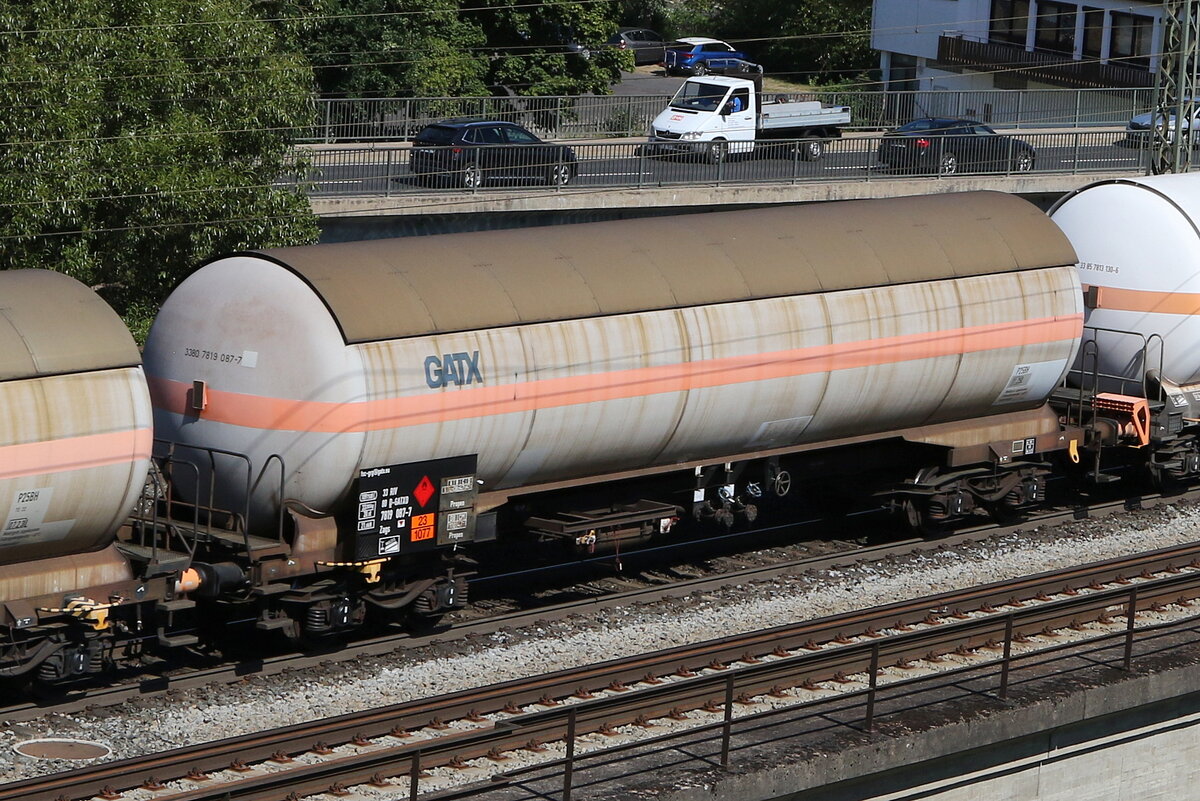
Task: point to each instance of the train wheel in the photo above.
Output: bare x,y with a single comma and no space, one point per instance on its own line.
915,509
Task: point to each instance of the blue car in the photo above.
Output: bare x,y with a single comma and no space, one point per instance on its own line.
691,56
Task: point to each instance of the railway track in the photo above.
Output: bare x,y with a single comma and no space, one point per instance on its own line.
706,680
191,678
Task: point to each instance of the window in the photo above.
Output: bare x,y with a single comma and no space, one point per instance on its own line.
489,136
1010,20
1131,36
1055,27
1093,32
520,136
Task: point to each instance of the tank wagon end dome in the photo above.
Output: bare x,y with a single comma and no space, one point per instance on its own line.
1138,241
388,289
51,324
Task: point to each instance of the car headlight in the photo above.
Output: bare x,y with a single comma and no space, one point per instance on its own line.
690,135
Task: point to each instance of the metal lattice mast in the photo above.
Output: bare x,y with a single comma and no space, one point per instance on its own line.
1177,87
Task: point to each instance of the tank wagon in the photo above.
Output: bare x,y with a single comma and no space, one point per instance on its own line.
1138,243
359,413
75,444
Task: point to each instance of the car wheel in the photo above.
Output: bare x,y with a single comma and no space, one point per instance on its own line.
718,151
559,175
470,176
1023,162
701,68
948,164
811,150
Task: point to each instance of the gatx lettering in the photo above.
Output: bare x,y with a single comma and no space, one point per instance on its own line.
452,368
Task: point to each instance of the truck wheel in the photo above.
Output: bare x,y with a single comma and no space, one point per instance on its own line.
811,149
718,151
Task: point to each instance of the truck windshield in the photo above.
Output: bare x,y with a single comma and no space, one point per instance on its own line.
698,96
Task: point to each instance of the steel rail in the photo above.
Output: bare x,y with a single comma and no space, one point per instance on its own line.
825,647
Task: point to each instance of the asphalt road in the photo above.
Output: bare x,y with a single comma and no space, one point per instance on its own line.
371,172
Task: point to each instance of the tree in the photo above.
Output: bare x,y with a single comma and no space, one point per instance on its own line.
459,48
143,136
411,48
824,40
828,38
552,49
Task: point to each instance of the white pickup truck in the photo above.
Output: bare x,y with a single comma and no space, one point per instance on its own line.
716,115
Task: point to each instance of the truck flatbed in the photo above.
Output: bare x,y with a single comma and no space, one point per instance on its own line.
802,114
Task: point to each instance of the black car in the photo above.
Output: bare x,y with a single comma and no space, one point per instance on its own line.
647,46
949,146
474,152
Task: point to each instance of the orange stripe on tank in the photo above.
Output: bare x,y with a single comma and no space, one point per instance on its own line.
75,453
254,411
1141,300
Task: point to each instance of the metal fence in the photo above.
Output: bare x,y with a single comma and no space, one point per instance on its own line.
591,116
385,169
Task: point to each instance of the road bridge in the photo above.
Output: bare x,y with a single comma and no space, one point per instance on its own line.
626,178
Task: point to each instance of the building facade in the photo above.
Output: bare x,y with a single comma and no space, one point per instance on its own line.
1017,44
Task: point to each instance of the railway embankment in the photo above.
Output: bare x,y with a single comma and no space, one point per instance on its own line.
1096,731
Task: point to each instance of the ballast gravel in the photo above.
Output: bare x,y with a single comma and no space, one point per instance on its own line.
216,712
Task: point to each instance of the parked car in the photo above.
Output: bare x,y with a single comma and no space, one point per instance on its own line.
474,152
1139,131
690,56
736,67
648,46
948,146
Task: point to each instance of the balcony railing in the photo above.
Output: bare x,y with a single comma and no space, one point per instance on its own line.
1055,68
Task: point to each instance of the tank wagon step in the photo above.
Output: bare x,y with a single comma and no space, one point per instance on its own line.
259,546
157,560
167,611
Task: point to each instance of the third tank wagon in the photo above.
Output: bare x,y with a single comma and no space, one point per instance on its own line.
575,352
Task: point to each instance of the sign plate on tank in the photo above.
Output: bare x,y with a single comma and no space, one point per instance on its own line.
406,508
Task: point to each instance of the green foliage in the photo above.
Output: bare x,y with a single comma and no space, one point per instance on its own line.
819,40
430,48
143,136
530,52
410,48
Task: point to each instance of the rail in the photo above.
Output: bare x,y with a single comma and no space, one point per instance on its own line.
1098,604
384,169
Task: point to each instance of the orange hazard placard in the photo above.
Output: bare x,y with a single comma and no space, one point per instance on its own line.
422,527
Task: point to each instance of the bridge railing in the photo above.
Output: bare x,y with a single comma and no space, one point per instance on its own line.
390,170
592,116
